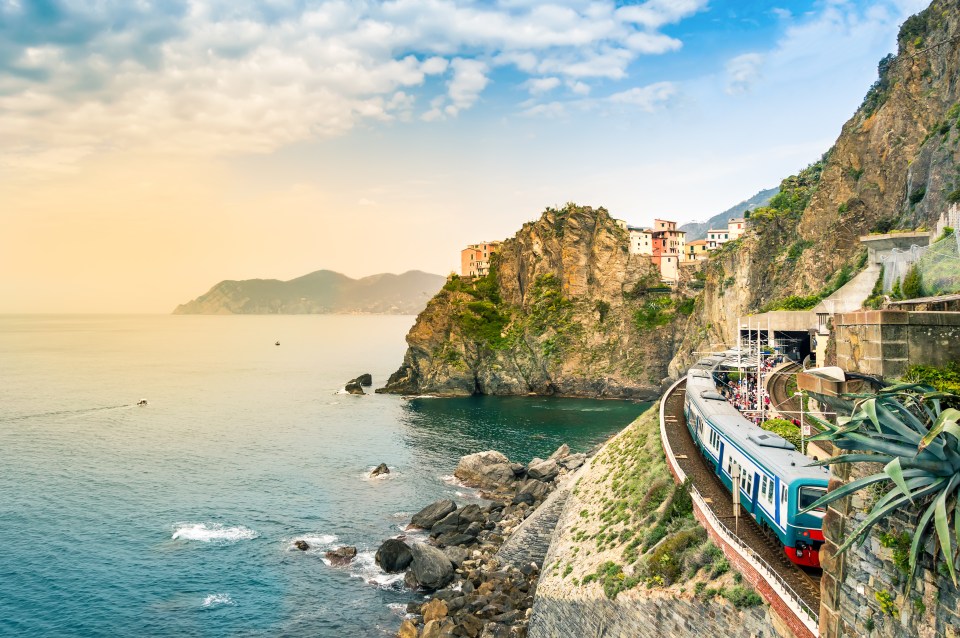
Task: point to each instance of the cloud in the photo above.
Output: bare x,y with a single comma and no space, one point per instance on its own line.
647,98
742,72
219,77
536,86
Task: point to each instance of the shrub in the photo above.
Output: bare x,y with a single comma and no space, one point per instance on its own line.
945,379
742,597
685,307
901,549
913,283
797,248
918,194
602,308
887,605
666,561
783,428
954,197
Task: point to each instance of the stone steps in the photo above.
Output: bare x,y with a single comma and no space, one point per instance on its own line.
531,540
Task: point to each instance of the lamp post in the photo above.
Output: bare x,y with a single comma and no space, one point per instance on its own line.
803,438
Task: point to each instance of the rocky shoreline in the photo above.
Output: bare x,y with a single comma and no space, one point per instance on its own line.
471,591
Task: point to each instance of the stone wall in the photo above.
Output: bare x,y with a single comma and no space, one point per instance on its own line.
887,342
866,590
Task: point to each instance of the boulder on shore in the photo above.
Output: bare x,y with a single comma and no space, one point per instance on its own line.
489,470
353,387
430,567
380,469
393,556
341,555
429,515
562,452
543,470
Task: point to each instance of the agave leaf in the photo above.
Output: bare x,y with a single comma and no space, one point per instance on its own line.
943,528
849,488
901,387
852,458
947,417
869,407
891,421
918,537
895,472
878,512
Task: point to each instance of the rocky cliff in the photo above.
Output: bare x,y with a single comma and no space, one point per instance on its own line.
320,292
896,165
566,310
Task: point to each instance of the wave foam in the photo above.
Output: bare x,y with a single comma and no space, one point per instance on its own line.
218,599
213,533
365,567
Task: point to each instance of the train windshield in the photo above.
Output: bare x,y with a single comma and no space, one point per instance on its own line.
809,496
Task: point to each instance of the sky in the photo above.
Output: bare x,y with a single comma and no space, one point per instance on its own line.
151,148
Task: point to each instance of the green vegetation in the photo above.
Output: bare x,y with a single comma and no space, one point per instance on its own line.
900,543
797,248
908,428
880,90
887,604
602,308
742,597
805,302
658,310
875,300
913,283
783,428
917,195
483,320
947,230
945,379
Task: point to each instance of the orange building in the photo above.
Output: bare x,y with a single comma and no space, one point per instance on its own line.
475,259
668,248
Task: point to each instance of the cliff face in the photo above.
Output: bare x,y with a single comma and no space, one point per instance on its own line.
566,310
320,292
896,165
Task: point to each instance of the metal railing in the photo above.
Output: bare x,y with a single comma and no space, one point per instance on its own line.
808,616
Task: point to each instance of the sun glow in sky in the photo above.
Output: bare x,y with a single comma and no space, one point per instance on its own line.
151,148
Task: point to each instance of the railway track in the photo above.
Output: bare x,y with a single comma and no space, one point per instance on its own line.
806,583
781,399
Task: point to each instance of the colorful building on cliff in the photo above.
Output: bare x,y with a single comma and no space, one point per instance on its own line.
696,250
475,258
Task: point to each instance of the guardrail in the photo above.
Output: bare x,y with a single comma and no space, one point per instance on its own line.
807,616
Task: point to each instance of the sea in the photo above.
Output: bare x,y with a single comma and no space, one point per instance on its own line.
178,518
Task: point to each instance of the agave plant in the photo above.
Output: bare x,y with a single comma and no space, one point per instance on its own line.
910,430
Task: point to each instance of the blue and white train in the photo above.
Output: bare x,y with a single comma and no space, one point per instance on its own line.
776,480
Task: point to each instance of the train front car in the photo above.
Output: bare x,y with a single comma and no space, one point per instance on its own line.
777,481
805,531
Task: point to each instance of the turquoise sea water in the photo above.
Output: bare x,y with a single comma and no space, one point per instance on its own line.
177,519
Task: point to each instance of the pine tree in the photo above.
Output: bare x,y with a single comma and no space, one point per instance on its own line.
895,291
913,283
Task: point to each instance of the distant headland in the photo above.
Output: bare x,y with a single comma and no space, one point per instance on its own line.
320,292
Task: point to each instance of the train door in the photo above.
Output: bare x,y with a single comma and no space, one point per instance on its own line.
755,484
720,460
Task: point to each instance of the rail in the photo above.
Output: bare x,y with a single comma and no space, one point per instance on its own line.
807,616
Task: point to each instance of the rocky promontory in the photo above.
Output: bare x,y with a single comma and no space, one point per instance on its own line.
566,310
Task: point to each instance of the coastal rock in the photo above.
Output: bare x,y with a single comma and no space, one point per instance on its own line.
534,488
429,515
408,630
457,555
430,567
353,387
435,609
379,470
562,452
341,555
489,469
366,380
458,520
543,470
393,556
573,461
301,545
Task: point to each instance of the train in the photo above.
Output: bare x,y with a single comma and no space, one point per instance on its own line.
777,482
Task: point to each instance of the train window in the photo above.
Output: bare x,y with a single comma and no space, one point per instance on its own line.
809,496
783,494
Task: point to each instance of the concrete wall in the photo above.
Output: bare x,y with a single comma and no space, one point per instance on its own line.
887,342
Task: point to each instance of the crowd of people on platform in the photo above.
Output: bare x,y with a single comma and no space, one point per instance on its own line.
740,389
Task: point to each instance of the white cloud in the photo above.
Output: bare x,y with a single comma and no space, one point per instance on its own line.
536,86
654,14
646,98
742,72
